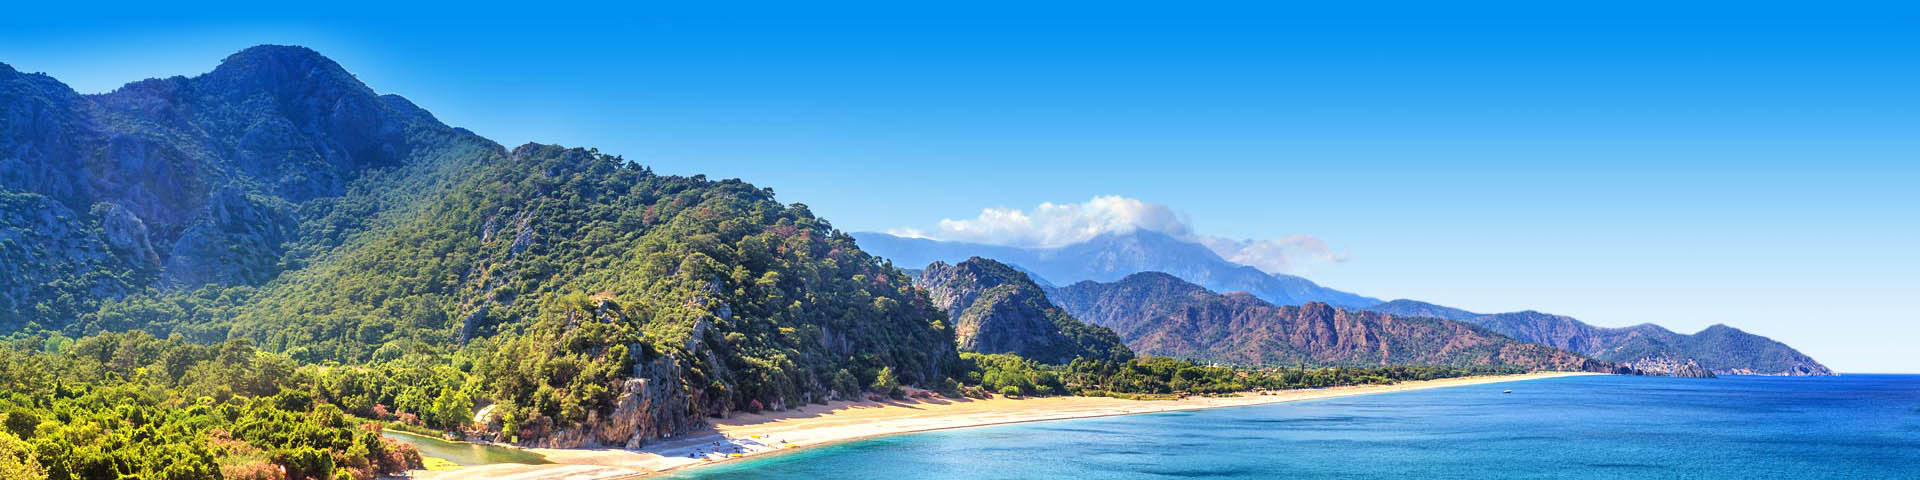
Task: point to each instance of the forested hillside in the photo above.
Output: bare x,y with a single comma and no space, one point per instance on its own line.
997,309
277,200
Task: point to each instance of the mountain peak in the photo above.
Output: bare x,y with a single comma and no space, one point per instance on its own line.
275,53
285,68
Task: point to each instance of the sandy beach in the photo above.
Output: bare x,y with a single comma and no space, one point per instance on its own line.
748,435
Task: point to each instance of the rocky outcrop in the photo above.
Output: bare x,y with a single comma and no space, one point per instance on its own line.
652,405
128,236
997,309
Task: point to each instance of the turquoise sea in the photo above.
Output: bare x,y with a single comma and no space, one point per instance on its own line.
1853,426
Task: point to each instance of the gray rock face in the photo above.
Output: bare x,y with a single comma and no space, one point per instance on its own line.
128,235
238,239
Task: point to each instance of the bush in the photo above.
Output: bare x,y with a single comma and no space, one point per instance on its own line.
1010,391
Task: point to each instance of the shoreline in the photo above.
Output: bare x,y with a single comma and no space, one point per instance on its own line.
746,435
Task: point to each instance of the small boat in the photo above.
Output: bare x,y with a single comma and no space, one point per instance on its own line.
1506,391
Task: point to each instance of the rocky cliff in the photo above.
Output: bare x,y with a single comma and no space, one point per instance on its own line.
997,309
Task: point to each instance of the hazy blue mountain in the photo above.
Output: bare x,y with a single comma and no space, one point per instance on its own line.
1113,256
1720,349
1416,308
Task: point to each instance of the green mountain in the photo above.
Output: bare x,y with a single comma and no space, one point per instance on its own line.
997,309
279,201
1160,315
1720,349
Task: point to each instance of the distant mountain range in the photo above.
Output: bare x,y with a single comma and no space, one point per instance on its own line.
1721,349
1112,256
996,309
1161,315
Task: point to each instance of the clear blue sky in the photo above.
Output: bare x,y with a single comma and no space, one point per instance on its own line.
1682,163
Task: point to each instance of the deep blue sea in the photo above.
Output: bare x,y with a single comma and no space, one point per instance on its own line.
1853,426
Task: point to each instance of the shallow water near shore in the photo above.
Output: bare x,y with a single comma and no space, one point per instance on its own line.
1854,426
466,454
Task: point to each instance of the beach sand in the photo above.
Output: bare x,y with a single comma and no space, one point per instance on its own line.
746,435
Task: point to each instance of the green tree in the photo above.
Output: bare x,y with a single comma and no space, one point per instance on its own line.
17,459
885,383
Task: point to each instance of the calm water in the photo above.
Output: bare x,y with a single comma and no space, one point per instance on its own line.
1856,426
462,453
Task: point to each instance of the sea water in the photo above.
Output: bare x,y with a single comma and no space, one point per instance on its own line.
1853,426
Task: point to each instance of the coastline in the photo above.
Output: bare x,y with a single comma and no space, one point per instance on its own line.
751,435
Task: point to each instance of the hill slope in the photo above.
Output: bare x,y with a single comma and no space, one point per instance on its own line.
1158,314
1112,256
996,309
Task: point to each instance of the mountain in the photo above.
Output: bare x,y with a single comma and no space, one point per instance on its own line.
278,202
227,178
996,309
1415,308
1718,349
1161,315
1112,256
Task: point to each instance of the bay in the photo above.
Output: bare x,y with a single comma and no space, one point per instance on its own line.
1852,426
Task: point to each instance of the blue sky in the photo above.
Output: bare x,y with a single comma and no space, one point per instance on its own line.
1748,163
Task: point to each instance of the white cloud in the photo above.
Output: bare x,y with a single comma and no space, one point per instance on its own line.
1278,255
1053,225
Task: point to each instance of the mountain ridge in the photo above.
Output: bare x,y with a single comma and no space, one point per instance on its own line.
1111,256
1720,349
1162,315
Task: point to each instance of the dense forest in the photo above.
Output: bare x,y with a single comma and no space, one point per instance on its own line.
128,405
1161,377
